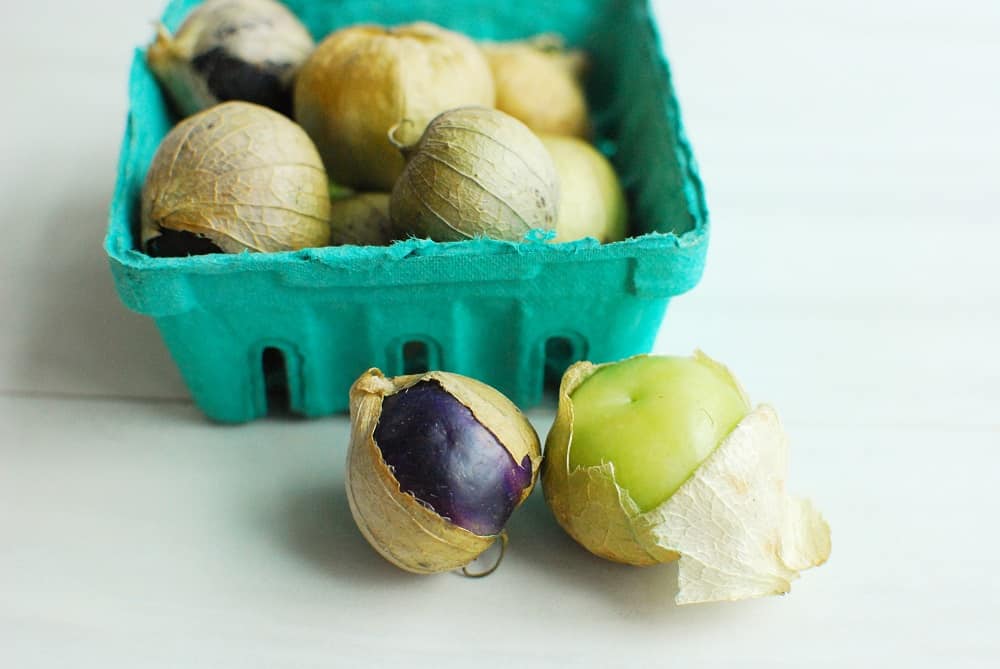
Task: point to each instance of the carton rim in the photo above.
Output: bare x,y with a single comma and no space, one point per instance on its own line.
119,239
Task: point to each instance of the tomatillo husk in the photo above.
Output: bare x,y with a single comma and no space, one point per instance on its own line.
241,176
231,50
736,531
363,80
538,81
361,219
591,202
475,172
407,530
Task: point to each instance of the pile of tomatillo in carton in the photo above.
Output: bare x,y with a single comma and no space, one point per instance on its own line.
375,134
384,133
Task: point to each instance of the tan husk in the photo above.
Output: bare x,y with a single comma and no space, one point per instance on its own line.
736,531
264,33
241,175
363,80
475,172
169,59
361,219
538,82
591,202
402,529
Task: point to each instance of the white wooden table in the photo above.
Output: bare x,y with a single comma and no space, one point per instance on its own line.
852,161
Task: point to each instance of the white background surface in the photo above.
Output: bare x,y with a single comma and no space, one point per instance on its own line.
852,162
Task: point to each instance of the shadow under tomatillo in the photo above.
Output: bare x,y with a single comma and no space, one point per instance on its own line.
316,525
645,593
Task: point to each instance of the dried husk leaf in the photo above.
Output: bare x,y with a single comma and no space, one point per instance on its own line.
241,175
264,33
361,219
401,528
736,531
538,82
475,172
739,533
363,80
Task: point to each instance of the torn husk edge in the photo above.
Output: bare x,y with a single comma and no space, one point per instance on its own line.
586,501
400,527
735,530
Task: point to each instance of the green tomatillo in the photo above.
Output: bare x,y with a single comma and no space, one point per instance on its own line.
655,459
656,419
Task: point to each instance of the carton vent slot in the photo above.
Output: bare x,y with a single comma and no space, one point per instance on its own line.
560,353
416,357
275,372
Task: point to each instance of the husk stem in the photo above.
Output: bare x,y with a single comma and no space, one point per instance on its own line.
406,149
495,566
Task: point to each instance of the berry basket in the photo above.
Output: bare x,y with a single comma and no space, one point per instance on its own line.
251,331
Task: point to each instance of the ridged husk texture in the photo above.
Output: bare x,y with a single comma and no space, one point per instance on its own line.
538,82
259,33
475,172
737,532
401,528
241,175
363,80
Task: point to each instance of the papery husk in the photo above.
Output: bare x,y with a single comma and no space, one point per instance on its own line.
169,58
591,201
363,80
241,175
735,530
402,529
538,81
475,172
361,219
264,33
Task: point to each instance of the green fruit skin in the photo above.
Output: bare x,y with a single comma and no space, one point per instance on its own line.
656,419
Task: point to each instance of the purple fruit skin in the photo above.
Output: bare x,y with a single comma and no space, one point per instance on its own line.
444,457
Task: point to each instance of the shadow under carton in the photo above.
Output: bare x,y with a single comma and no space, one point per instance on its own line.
497,311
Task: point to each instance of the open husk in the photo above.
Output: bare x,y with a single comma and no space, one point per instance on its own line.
404,530
242,176
736,531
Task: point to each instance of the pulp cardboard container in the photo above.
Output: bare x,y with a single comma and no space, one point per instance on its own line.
252,330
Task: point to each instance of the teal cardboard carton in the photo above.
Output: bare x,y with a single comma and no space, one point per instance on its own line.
252,329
